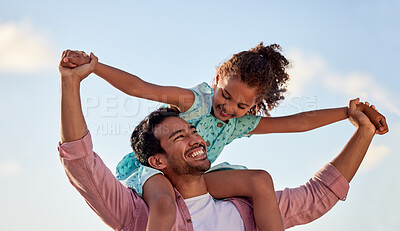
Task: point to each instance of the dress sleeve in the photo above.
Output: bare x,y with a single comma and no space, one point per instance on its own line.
202,103
242,126
308,202
109,199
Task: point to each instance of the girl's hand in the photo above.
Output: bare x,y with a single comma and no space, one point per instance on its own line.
74,58
375,117
358,118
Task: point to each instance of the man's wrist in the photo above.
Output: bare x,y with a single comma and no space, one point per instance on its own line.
69,83
367,129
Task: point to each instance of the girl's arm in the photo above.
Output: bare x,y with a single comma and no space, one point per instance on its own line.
300,122
133,85
306,121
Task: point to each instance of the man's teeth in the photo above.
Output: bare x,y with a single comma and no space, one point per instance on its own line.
194,154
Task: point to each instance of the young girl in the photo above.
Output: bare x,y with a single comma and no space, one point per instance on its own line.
251,82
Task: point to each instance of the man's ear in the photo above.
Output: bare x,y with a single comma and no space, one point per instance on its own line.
157,161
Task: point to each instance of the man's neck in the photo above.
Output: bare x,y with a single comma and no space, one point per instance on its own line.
189,185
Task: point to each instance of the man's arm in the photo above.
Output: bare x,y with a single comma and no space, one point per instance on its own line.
308,202
73,125
350,158
113,203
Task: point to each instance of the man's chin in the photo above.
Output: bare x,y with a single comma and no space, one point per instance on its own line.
192,169
204,167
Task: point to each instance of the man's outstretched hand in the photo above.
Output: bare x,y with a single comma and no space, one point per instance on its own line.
357,117
78,72
375,117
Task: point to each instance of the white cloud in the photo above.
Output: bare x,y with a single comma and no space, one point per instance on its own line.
9,169
374,156
304,70
314,70
352,85
23,49
362,85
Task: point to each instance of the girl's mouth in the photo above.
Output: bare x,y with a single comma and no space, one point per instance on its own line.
223,113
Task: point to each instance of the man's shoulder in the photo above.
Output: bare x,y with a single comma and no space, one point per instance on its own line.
245,207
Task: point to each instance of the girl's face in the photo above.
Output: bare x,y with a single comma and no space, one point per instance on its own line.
232,98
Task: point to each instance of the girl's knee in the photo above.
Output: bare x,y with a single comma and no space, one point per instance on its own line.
163,203
162,212
261,180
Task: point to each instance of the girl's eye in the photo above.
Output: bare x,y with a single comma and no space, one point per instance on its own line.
225,96
241,107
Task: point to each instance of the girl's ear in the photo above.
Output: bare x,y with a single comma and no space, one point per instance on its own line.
216,80
157,161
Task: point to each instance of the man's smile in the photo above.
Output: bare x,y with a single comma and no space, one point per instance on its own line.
198,152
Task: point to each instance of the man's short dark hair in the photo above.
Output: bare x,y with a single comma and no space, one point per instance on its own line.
143,141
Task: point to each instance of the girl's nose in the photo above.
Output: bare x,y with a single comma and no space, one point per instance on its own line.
229,109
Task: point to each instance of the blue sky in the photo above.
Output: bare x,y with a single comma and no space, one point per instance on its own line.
339,50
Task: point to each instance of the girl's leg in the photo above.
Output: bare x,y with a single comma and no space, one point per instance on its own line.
257,185
160,197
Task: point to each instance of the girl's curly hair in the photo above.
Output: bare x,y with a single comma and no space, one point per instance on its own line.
262,67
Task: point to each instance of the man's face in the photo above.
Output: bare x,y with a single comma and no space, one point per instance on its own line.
186,152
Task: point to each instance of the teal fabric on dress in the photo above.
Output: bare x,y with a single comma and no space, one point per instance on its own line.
215,132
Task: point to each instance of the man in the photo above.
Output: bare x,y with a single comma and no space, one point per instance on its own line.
122,209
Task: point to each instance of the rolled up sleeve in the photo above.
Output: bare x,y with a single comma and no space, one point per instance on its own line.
308,202
116,205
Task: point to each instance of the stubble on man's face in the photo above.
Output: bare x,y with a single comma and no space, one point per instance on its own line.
181,167
181,145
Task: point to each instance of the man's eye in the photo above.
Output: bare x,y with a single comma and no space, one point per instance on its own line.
176,138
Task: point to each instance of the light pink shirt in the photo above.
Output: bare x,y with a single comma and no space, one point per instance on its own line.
122,209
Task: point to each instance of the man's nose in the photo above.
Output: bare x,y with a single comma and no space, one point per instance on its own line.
194,138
